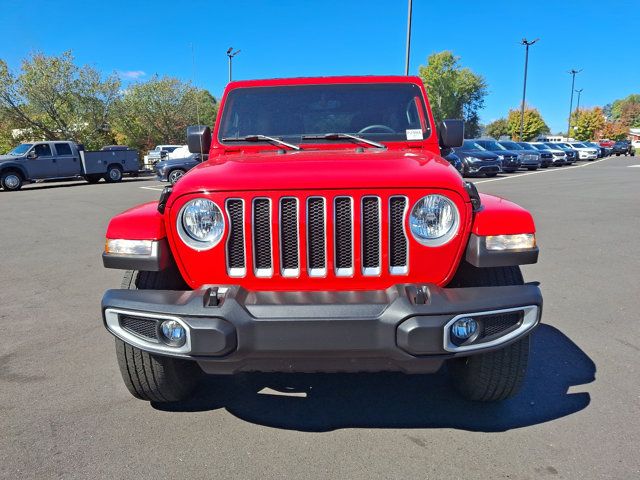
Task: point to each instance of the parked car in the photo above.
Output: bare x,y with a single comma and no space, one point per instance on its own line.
585,152
510,161
546,157
160,152
29,162
608,146
529,158
559,156
455,161
171,170
367,254
571,154
623,147
478,161
602,152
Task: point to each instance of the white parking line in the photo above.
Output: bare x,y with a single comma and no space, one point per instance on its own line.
549,170
633,166
157,189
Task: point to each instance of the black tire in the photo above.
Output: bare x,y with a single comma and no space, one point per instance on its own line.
492,174
497,375
92,178
155,378
11,181
532,169
175,175
511,170
114,174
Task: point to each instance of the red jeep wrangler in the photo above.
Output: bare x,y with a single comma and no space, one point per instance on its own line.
324,234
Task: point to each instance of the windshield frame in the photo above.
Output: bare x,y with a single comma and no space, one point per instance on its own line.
423,113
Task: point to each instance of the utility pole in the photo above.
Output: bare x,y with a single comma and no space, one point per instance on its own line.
406,63
578,91
231,54
573,73
527,44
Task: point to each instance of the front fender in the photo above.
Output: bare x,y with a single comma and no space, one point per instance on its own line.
143,222
498,216
14,166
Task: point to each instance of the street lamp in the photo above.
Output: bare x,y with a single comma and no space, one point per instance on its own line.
573,73
406,63
231,54
527,44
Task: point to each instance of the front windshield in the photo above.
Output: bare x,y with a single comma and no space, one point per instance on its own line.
377,111
511,145
541,146
525,146
492,145
579,145
557,146
471,145
21,149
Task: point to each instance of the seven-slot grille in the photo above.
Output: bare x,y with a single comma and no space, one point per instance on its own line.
315,236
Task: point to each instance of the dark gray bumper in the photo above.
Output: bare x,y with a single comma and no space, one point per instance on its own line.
402,328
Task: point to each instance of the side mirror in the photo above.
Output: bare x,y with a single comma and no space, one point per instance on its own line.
32,154
451,133
199,138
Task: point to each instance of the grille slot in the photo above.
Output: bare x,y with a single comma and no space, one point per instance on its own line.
262,237
316,245
398,248
235,243
146,328
370,236
289,237
343,232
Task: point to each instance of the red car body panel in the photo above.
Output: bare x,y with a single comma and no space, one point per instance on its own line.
501,217
143,222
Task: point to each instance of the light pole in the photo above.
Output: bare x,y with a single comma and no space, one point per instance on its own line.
573,73
231,54
578,91
527,44
406,63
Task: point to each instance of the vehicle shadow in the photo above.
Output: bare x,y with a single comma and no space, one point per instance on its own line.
325,402
78,183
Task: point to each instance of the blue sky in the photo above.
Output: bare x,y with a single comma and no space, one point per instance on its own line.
304,38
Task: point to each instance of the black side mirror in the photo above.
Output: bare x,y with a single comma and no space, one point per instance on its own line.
451,133
32,154
199,138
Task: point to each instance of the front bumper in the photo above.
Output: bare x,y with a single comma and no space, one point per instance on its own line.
404,328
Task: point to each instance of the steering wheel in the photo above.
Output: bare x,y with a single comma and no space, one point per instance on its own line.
384,129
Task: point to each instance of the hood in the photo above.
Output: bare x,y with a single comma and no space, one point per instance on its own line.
8,158
321,170
175,161
477,153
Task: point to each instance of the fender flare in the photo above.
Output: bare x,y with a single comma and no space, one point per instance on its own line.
14,166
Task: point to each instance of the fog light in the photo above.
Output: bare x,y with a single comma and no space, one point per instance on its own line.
173,333
464,328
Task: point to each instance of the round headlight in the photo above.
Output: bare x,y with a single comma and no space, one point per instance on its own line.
201,224
434,220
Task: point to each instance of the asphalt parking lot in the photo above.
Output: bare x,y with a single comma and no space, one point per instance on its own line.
65,412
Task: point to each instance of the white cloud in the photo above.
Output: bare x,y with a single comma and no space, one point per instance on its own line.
132,74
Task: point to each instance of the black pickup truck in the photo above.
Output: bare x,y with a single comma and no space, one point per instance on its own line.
29,162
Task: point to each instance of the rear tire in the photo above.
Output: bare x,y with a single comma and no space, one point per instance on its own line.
175,175
492,174
532,169
11,181
155,378
114,174
496,375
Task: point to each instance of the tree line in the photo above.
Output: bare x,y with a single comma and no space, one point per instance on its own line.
52,98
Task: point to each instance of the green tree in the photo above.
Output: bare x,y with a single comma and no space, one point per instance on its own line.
616,109
586,123
497,128
54,99
159,111
534,124
454,91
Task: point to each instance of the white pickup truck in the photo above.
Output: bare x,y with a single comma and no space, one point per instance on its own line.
29,162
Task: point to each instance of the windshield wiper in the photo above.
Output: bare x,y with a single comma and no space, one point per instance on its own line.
341,136
261,138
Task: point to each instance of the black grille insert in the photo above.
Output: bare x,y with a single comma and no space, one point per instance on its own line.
499,324
142,327
316,233
289,233
262,233
343,233
397,237
370,232
235,243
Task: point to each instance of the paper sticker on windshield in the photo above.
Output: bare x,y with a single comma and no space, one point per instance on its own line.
414,133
